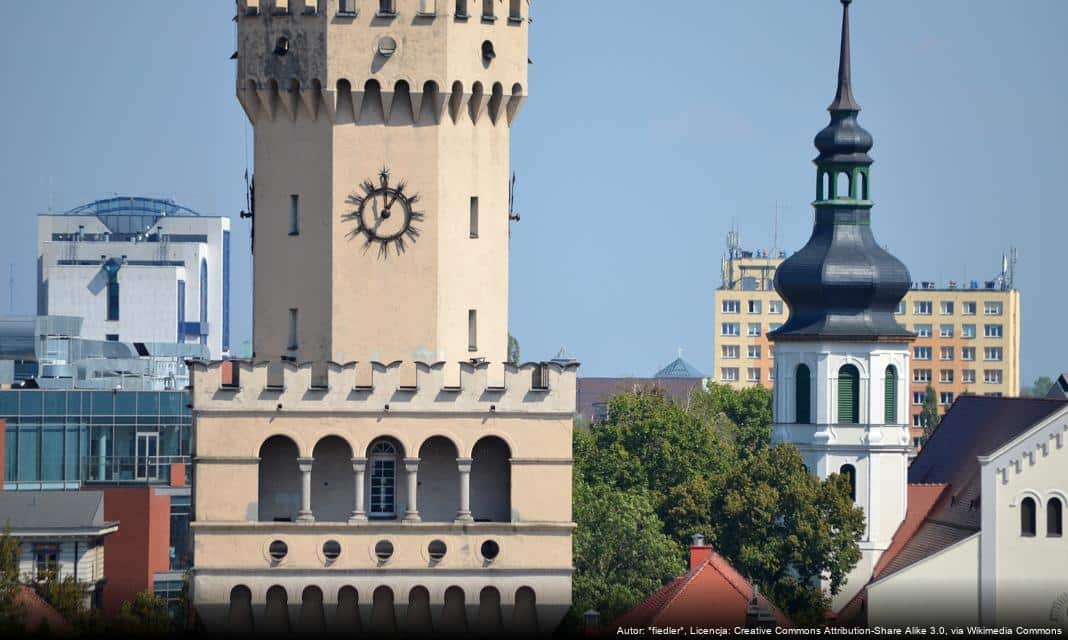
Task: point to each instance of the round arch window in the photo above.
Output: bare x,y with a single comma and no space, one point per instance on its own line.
383,550
436,550
490,549
278,550
331,550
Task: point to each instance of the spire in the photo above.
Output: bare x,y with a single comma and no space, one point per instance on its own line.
843,100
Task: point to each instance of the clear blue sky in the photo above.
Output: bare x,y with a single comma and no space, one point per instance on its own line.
648,134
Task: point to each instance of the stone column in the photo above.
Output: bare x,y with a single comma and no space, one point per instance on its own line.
305,513
464,514
411,514
359,514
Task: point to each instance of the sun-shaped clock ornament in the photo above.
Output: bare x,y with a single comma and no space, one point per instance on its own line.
384,215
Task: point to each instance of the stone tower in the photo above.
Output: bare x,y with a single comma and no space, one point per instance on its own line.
842,360
423,486
382,165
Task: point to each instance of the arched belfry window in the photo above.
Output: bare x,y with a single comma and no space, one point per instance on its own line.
803,396
890,400
383,460
1027,517
850,472
1054,518
848,395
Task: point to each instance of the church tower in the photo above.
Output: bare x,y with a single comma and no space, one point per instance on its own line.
382,133
841,359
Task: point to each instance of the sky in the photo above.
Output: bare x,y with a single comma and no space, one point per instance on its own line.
649,134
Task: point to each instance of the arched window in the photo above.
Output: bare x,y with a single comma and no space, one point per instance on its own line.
890,400
348,610
1027,517
864,185
824,186
850,472
439,481
1054,514
333,494
848,395
239,615
312,619
803,398
279,480
491,481
383,461
841,185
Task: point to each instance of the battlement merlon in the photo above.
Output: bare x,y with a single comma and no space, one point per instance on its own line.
546,389
331,53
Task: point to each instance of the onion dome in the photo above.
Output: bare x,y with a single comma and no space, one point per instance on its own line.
842,285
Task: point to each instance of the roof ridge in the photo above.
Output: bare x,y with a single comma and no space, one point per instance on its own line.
683,580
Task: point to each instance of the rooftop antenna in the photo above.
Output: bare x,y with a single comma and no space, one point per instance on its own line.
513,212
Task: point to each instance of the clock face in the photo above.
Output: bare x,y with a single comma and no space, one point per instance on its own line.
384,214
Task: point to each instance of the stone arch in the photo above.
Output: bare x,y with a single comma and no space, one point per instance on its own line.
496,102
439,480
1028,517
1054,517
312,616
276,610
456,100
239,614
372,109
402,110
491,480
525,612
347,619
417,619
279,487
453,613
842,184
386,481
333,490
489,612
383,617
850,472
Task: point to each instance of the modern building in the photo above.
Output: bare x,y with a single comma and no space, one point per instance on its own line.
423,486
841,357
1059,388
137,270
677,381
967,335
60,534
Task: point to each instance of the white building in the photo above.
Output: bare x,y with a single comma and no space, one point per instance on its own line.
138,270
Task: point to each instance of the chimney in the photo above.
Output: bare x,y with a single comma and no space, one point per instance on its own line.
591,623
699,550
757,614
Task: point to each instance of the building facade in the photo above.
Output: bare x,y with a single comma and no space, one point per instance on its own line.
422,485
967,337
137,270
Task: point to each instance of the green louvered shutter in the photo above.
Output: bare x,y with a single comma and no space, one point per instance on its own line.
891,395
848,395
804,395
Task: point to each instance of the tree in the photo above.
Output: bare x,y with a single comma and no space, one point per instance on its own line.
513,350
929,417
741,415
622,554
1039,388
146,614
11,614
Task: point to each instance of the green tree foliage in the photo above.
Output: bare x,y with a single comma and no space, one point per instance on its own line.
1039,388
11,619
929,416
513,349
146,614
708,468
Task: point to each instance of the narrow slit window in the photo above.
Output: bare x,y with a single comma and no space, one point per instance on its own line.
850,472
1027,517
387,7
487,10
1054,515
472,330
474,216
113,300
461,8
294,215
293,319
347,7
514,11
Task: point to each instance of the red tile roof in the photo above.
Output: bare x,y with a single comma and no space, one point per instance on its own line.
36,613
711,594
922,500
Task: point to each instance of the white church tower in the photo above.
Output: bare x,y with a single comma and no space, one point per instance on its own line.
842,360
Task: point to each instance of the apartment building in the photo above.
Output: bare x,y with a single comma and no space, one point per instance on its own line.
968,334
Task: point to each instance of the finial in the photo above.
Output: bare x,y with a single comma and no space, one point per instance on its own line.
843,100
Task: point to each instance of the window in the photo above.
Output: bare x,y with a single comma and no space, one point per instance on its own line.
803,382
945,397
754,352
428,7
514,11
900,308
992,309
753,374
1027,517
729,374
1054,514
203,299
848,395
967,331
111,269
474,216
946,307
731,306
993,354
945,376
921,353
181,311
918,397
967,353
945,353
945,331
46,559
730,351
921,375
916,420
775,307
294,215
890,395
111,337
387,7
753,330
967,376
293,317
923,330
922,307
755,306
992,376
487,10
281,7
992,330
383,480
731,329
347,7
461,9
968,308
472,330
850,472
